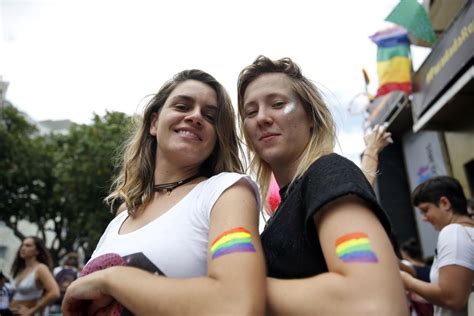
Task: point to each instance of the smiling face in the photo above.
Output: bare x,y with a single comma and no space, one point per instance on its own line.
275,121
184,127
28,249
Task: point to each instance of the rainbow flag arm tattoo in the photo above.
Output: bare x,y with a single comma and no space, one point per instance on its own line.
355,247
234,240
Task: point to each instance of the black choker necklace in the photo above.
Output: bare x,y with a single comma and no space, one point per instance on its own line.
168,187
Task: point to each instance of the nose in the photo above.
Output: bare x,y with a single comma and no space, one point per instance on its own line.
263,117
194,116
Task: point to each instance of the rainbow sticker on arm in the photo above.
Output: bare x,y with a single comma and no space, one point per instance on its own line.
355,247
234,240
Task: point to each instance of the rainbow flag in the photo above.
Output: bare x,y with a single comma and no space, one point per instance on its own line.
234,240
355,247
393,60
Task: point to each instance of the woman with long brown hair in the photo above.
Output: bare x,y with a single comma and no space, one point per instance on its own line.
191,218
35,286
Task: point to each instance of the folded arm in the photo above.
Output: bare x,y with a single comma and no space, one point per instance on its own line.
235,283
357,286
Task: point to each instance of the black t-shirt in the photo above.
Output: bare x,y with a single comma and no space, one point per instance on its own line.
290,241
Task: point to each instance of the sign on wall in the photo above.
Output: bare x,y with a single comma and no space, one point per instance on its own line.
424,159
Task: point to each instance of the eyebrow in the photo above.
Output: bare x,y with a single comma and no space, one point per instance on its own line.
191,99
275,94
182,96
268,96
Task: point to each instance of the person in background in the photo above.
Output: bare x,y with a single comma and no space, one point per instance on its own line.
191,216
376,140
35,287
64,275
326,247
4,296
70,262
442,203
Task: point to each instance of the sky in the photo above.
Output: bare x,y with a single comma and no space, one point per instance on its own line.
68,59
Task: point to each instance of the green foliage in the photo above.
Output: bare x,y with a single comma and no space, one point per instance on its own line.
59,181
20,167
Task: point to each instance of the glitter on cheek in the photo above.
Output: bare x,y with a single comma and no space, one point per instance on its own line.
289,108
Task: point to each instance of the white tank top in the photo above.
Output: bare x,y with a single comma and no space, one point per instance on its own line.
26,290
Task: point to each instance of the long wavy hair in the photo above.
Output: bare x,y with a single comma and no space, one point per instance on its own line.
134,184
323,135
43,256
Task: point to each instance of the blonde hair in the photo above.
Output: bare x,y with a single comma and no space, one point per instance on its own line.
323,135
134,184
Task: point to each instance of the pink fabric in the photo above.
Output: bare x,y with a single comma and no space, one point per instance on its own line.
273,197
103,262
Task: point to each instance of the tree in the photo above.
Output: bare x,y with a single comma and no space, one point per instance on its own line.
84,166
21,169
59,181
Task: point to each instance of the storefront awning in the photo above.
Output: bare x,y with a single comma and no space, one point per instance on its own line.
443,84
454,109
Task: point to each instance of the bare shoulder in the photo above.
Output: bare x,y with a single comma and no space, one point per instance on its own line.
240,191
43,270
242,184
240,201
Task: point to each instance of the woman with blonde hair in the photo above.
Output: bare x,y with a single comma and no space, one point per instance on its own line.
326,246
191,219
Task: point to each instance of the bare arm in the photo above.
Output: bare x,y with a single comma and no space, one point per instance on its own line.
348,288
235,283
375,141
50,287
451,292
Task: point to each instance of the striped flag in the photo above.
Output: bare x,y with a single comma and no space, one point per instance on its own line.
393,60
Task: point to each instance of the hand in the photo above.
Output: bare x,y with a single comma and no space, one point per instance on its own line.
377,139
86,296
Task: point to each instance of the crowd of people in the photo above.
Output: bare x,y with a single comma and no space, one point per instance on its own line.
186,238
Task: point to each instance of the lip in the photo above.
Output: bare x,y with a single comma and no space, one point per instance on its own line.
194,134
267,136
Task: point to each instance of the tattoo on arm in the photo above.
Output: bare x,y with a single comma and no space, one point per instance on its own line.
355,247
234,240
